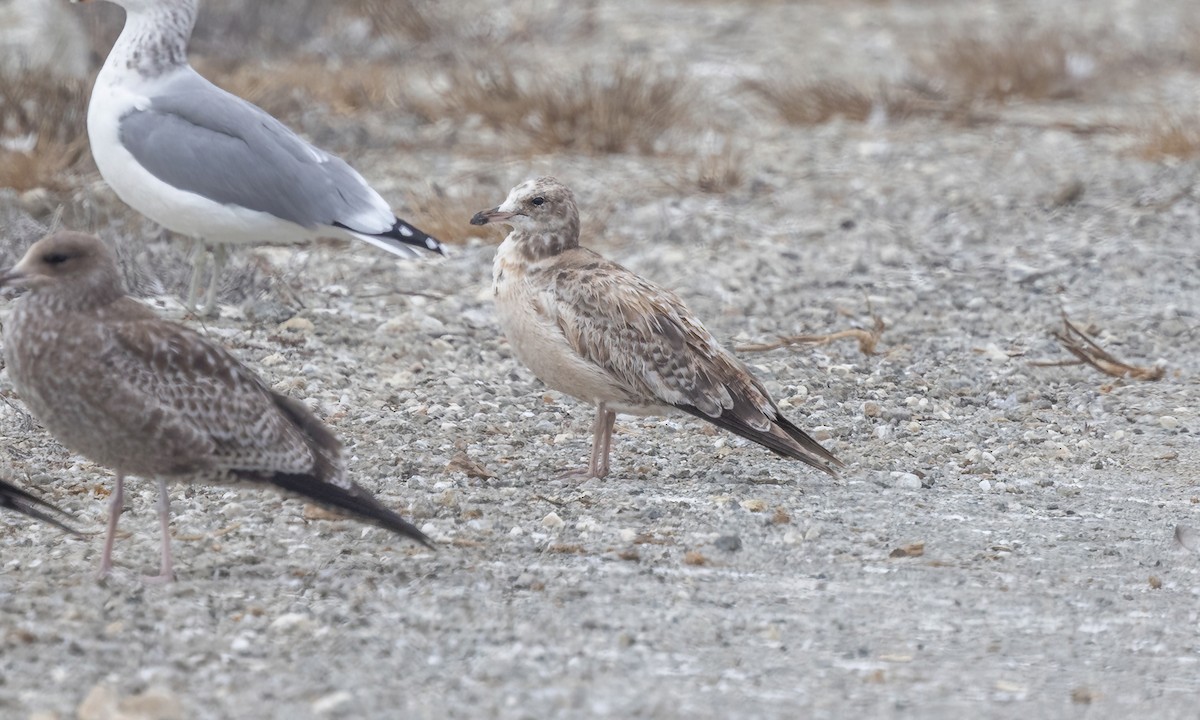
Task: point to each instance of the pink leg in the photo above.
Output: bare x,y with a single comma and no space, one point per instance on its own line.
116,503
165,573
601,441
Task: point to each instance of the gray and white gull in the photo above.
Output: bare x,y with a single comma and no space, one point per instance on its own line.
209,165
144,396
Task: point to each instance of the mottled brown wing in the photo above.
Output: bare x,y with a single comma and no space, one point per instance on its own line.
199,392
643,336
647,339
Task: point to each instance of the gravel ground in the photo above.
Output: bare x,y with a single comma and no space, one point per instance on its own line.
1003,540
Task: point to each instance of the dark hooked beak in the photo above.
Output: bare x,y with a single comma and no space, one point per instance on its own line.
483,217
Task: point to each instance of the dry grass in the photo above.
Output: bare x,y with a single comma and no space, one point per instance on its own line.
1171,136
399,19
1088,352
815,102
291,88
43,123
448,218
719,171
1024,64
624,109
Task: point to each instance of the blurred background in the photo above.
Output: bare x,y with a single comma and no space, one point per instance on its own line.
763,114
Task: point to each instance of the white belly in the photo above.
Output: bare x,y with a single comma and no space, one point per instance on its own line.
182,212
541,346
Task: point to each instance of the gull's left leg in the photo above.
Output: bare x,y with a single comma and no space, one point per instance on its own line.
220,253
601,441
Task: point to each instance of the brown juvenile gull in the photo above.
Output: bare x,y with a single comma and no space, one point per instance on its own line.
148,397
592,329
14,498
207,164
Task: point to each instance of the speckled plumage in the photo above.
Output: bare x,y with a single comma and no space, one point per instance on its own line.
592,329
147,397
16,499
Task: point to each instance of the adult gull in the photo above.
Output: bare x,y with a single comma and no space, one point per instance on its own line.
209,165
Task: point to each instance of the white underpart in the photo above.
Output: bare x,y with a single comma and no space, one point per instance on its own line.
120,90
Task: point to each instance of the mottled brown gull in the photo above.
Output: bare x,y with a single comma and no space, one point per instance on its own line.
151,398
209,165
14,498
590,328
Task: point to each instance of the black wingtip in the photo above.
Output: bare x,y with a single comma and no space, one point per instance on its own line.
353,499
802,447
16,499
411,235
404,234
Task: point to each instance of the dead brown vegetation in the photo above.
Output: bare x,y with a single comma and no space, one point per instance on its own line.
815,102
1170,136
289,89
868,339
43,123
621,109
448,217
1021,63
1088,352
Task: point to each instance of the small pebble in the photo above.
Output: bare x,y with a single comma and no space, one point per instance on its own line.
728,543
906,481
1168,422
331,703
552,521
297,325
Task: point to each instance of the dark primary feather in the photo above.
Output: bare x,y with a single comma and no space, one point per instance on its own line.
649,340
728,420
352,499
14,498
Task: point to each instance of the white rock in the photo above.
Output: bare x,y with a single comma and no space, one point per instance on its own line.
1168,422
552,521
332,702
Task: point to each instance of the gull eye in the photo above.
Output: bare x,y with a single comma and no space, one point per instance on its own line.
55,258
538,200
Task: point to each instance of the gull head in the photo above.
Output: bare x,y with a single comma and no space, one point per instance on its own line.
78,269
543,205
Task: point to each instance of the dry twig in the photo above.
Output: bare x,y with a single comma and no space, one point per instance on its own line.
1088,352
867,339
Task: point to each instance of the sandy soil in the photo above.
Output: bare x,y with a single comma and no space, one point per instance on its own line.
1003,543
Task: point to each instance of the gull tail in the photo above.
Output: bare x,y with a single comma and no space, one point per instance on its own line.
324,483
783,438
14,498
351,498
399,240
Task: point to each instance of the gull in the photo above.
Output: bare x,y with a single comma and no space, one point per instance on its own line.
144,396
204,163
596,331
14,498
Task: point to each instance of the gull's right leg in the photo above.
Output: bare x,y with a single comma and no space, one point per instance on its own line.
116,504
